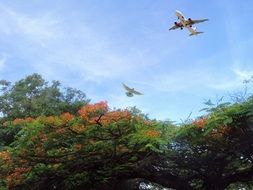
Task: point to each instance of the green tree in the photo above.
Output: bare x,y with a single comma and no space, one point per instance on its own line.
33,96
214,151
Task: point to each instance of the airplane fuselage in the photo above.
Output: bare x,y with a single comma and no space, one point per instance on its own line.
180,16
185,22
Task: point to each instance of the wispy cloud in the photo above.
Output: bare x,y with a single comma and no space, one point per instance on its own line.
234,82
76,48
39,29
242,74
3,58
92,55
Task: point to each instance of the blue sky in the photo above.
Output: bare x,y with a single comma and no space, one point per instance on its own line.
95,45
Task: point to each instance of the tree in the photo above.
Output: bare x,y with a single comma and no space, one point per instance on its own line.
96,149
212,152
33,96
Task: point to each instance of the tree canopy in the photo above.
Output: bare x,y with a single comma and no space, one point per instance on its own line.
90,150
33,97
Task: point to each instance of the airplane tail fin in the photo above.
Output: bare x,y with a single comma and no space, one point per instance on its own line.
195,33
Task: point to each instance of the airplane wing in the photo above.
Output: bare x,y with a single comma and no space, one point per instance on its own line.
126,87
174,27
198,21
177,25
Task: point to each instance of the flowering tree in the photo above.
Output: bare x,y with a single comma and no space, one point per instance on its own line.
213,151
96,148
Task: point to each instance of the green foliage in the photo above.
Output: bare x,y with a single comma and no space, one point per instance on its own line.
77,180
243,186
217,147
7,135
33,96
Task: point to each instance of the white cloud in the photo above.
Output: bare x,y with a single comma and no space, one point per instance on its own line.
91,55
69,48
3,58
233,82
242,74
39,29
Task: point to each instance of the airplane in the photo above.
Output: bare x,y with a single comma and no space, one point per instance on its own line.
131,91
187,23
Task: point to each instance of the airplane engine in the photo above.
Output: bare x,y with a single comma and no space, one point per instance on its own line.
190,22
179,25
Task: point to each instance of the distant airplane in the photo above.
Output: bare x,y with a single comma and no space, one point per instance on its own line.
187,23
131,91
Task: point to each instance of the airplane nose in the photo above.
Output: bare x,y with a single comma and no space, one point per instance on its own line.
178,13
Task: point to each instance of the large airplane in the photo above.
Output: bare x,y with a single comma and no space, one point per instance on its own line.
187,23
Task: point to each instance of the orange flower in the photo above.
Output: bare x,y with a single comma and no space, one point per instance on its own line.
114,116
18,121
21,121
29,119
66,117
78,146
15,178
93,110
5,156
60,130
152,133
200,123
